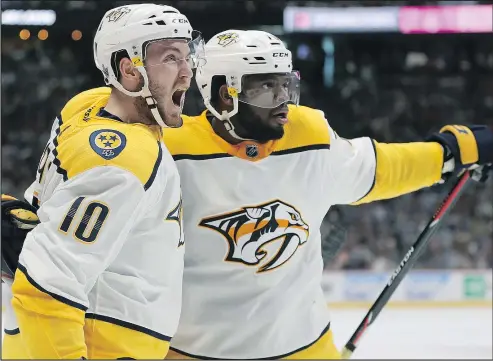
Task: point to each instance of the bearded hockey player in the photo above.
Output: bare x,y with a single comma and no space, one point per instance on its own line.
258,176
100,275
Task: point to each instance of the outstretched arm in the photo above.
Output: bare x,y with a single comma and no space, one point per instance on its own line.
367,171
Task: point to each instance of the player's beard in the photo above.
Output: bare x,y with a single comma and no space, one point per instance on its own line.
143,108
252,126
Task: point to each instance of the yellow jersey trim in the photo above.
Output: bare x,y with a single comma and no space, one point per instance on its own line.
403,168
307,129
78,149
28,282
320,348
128,325
51,325
126,342
13,347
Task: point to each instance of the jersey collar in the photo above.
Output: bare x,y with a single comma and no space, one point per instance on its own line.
247,149
103,113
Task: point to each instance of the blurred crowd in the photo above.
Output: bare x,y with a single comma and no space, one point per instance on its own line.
399,106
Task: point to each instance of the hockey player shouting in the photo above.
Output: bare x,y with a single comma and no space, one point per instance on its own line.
100,275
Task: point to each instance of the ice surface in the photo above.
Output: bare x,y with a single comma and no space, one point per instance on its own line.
446,333
419,333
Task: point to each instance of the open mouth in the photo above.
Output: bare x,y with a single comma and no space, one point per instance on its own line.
281,115
178,97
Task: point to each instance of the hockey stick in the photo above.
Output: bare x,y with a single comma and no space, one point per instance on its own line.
412,255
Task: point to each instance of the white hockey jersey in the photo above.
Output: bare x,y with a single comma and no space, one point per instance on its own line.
101,275
252,213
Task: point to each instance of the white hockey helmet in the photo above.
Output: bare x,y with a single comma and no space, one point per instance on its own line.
131,28
239,53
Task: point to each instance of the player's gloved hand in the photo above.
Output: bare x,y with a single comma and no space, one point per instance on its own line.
465,147
18,218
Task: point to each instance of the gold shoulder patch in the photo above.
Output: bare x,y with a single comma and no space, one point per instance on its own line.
306,127
133,147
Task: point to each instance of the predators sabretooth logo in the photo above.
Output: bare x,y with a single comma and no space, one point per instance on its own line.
266,235
117,14
227,38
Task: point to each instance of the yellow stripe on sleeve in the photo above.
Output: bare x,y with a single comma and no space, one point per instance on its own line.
49,328
13,348
404,168
108,338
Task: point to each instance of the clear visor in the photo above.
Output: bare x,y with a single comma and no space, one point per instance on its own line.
270,90
176,51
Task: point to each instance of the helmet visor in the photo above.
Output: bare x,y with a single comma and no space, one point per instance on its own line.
173,52
270,90
197,50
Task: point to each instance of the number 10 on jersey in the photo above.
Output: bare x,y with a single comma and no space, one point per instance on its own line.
91,222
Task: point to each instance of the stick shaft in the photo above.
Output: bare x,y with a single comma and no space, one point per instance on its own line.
412,255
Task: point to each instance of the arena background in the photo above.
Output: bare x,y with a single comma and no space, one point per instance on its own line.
392,70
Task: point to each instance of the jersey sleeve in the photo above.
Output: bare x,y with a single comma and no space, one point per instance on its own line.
83,225
363,170
403,168
351,165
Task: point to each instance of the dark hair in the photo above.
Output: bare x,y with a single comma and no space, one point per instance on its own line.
217,82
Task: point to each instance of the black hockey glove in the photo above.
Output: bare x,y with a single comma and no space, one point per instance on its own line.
465,147
18,218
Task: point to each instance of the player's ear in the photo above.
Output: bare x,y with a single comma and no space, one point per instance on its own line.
224,96
130,76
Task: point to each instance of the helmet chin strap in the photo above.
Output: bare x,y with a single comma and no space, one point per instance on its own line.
225,118
152,105
228,125
146,94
